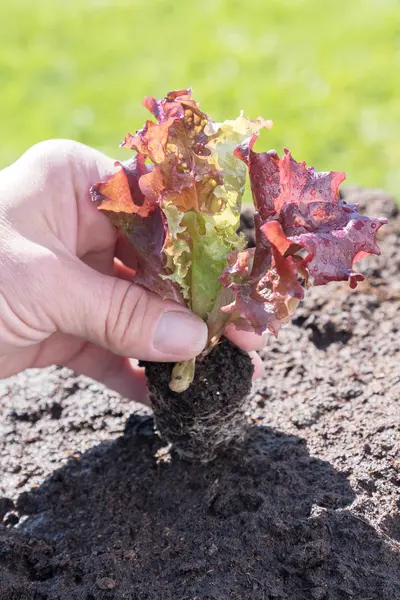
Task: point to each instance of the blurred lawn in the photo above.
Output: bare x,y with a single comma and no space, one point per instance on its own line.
326,71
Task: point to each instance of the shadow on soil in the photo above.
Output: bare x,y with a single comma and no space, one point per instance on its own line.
127,520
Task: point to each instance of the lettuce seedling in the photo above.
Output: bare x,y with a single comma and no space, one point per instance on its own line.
178,201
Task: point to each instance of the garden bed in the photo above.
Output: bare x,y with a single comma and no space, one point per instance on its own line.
95,507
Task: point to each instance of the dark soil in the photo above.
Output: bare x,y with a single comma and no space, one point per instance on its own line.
203,420
94,506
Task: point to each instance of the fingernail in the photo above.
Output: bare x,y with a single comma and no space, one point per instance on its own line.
181,334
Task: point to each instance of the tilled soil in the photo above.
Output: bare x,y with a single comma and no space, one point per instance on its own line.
95,507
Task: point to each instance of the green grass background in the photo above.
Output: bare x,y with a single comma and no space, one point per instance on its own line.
327,72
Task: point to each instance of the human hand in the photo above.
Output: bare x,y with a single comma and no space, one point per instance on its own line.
66,291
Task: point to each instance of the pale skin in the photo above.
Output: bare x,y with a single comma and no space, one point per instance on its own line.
66,290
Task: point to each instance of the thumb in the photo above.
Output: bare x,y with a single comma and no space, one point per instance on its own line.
125,318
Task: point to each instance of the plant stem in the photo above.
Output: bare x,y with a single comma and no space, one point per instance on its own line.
182,375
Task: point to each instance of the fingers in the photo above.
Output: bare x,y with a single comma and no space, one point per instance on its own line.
115,372
258,365
54,177
246,340
121,316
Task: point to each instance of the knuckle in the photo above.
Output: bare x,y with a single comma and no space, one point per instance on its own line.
49,148
51,157
15,324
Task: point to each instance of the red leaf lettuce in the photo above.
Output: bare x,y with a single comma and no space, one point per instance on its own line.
178,201
305,235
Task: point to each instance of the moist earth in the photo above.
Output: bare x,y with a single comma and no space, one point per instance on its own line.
94,506
202,421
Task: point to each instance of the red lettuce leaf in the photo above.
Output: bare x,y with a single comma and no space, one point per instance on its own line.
265,302
311,237
184,174
328,256
141,220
